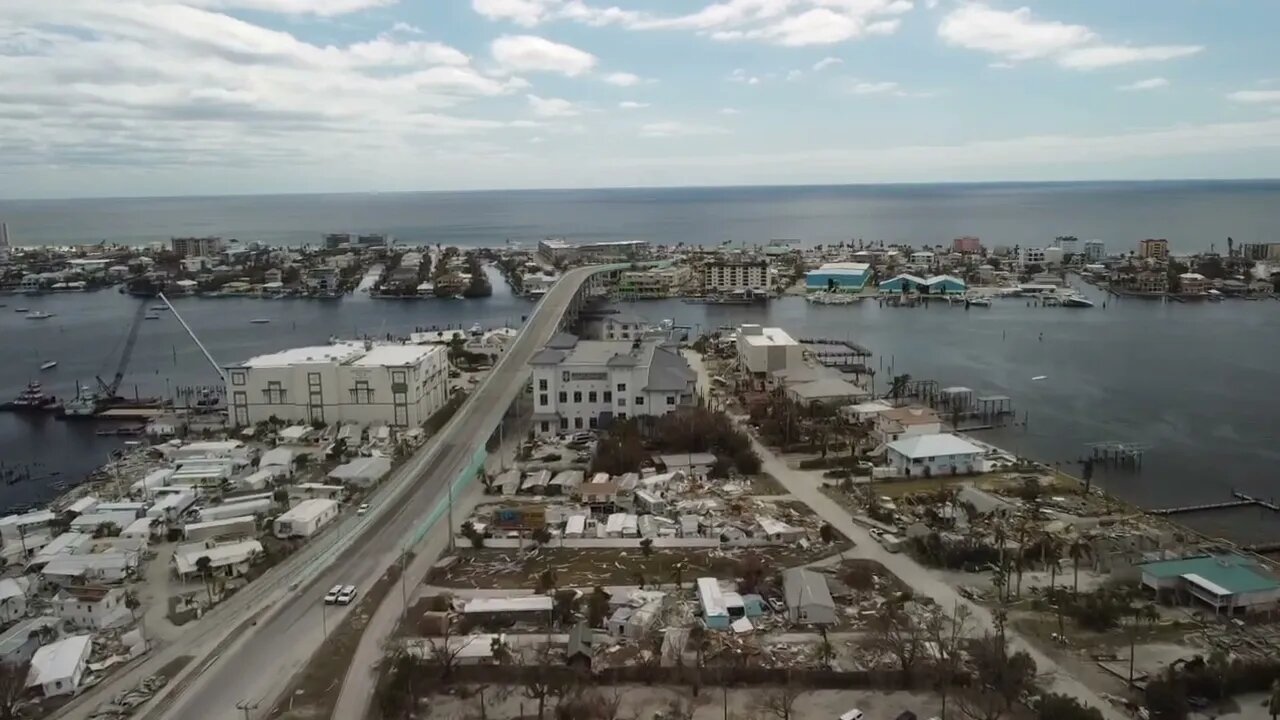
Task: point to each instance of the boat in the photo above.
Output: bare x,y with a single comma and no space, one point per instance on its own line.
38,315
49,365
260,321
476,329
1076,300
32,399
21,310
151,316
980,301
159,308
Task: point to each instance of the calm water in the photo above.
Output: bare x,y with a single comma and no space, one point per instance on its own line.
1191,214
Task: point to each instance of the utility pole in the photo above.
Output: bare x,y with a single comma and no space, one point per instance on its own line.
245,707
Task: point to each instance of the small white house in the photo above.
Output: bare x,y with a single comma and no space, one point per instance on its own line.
226,559
56,668
929,455
91,607
808,597
13,599
306,518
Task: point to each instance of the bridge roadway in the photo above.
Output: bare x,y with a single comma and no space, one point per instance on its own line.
245,650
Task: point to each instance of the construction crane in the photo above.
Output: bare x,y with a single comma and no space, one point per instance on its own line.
106,390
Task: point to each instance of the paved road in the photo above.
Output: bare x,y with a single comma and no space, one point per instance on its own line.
258,667
247,648
805,486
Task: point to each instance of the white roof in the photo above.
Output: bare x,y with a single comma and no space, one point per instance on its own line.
396,355
337,353
370,468
83,505
74,565
525,603
615,522
64,544
308,510
276,456
844,267
1191,276
141,526
59,660
712,600
773,526
1207,584
769,336
575,524
872,406
32,518
927,446
224,522
219,555
10,588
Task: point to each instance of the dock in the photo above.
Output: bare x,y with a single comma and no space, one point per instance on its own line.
1240,500
1118,453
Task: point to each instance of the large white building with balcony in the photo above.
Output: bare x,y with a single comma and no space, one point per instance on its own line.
727,275
391,384
586,384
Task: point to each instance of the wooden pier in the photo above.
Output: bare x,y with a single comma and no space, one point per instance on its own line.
1118,453
1241,500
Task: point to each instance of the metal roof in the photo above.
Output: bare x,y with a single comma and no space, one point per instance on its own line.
1234,573
805,587
926,446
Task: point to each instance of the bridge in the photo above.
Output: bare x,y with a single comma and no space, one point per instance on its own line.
245,650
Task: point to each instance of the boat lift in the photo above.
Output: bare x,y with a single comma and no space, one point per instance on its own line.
207,355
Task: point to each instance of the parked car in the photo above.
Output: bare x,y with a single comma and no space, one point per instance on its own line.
854,714
331,597
364,508
347,594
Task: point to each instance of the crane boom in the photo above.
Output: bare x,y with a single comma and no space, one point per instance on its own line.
109,390
216,367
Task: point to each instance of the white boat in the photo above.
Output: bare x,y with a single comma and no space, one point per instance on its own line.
831,298
260,321
49,365
151,316
159,308
980,301
477,330
38,315
1076,300
21,310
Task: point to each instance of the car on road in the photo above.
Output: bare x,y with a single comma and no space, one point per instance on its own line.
854,714
777,605
331,597
364,508
347,594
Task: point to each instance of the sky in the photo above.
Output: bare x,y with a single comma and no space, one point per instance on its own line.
172,97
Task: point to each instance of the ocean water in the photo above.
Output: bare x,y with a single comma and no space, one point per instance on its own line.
1195,382
1191,214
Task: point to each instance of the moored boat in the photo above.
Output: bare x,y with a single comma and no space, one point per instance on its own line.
31,399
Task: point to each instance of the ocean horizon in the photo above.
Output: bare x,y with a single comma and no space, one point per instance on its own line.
1193,214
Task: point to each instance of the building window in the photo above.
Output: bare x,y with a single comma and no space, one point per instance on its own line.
542,399
591,396
622,402
577,396
564,396
546,426
608,396
622,416
564,423
274,394
671,399
564,376
237,377
622,387
639,399
577,423
591,422
362,394
542,384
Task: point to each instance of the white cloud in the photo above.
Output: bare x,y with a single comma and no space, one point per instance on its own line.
795,75
624,79
827,62
1255,96
323,8
740,76
677,129
729,111
632,105
791,23
1154,83
529,53
552,107
1092,58
1016,35
873,88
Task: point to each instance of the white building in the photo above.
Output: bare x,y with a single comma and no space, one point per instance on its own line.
897,423
722,276
653,283
56,668
586,384
243,526
92,607
1094,250
808,597
764,349
398,385
929,455
225,559
13,599
1047,257
305,518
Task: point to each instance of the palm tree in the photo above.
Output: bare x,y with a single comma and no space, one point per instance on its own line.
204,565
1001,539
1141,613
1076,550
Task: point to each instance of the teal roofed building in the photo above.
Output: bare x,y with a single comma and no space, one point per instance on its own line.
1228,583
936,285
845,277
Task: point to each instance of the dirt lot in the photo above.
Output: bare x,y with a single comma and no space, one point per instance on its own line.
576,567
643,702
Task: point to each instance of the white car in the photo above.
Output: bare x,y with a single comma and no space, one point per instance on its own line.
364,508
347,595
854,714
331,597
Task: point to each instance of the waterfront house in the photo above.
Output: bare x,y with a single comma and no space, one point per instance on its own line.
938,454
897,423
1193,283
765,349
1150,281
826,391
1227,583
13,598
